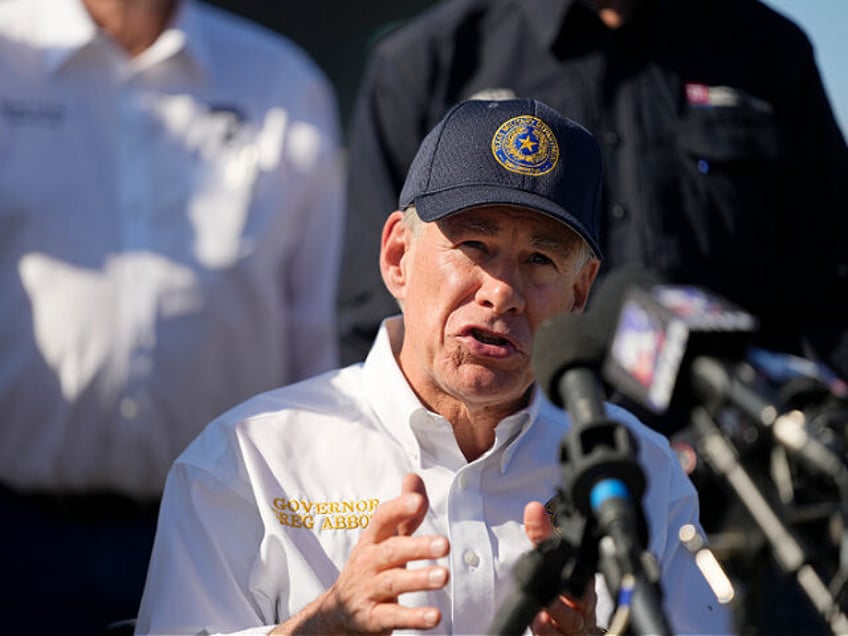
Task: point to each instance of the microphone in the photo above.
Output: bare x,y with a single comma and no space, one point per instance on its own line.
604,480
567,353
784,368
717,385
673,347
679,347
568,560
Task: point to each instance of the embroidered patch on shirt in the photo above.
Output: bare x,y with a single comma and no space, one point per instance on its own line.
347,514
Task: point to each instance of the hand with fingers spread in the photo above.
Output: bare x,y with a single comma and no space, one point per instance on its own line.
364,598
564,615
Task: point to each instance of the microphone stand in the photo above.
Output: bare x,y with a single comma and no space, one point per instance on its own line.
599,462
787,550
599,506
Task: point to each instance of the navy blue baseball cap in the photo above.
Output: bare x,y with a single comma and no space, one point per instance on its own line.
508,152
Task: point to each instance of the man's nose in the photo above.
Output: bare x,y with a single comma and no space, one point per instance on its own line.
501,290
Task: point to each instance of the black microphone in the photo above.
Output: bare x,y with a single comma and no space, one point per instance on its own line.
675,346
681,347
603,478
567,354
717,385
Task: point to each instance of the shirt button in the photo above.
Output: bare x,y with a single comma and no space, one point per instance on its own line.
618,211
470,558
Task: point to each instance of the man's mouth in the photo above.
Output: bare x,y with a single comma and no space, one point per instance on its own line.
489,338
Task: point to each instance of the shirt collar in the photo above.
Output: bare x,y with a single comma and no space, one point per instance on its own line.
388,392
190,36
66,28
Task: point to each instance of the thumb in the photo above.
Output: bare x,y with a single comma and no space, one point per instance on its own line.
537,523
412,483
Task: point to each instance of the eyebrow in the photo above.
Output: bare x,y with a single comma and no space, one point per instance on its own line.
549,244
541,241
479,226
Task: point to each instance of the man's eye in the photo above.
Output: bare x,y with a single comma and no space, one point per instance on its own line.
474,245
540,259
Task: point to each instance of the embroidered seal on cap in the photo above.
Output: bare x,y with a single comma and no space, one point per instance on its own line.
526,145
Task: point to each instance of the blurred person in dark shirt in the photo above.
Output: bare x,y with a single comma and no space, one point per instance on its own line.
724,165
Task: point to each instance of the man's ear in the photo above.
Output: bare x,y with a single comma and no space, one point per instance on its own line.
394,245
583,283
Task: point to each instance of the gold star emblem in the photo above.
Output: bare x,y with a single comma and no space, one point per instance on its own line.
527,143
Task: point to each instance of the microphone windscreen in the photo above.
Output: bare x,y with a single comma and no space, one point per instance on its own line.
562,343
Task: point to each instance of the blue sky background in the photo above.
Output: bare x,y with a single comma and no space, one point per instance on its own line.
826,24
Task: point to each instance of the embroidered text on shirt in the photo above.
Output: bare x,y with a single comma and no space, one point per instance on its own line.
325,515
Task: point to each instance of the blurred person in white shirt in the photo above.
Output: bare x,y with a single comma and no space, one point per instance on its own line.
170,214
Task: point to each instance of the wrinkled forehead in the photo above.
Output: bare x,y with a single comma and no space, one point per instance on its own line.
503,219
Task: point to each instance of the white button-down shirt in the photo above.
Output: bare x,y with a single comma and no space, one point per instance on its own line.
169,237
261,512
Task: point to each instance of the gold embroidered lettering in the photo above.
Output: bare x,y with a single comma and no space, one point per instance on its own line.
348,514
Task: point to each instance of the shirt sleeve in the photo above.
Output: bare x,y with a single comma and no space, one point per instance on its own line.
207,544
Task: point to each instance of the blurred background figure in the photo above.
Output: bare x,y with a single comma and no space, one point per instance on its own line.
724,164
170,223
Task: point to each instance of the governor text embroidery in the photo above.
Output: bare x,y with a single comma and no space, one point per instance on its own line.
325,515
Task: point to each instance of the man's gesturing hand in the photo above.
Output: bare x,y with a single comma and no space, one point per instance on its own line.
364,598
564,615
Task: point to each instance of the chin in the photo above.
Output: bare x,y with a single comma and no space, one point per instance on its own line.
486,382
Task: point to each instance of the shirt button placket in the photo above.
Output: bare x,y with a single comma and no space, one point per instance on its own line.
471,552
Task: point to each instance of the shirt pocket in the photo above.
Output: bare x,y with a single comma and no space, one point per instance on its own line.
734,185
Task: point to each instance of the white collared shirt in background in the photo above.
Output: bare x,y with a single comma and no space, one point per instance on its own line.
169,238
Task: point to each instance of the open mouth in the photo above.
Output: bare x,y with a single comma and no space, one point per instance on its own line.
489,338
